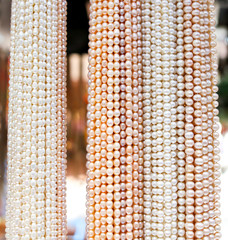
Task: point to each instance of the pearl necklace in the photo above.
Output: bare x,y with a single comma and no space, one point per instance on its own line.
32,153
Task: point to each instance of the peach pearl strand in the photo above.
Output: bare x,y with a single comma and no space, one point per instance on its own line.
117,122
101,134
122,122
180,120
202,125
208,190
61,121
112,113
95,29
215,121
147,115
189,115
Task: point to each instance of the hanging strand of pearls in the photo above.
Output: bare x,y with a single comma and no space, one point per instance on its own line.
122,120
147,114
139,216
95,14
32,152
61,120
13,132
117,122
189,127
135,122
180,120
214,198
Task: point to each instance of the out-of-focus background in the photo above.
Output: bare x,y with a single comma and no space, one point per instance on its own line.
77,101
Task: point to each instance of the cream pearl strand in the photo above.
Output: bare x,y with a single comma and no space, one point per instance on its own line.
51,129
129,116
11,123
140,120
170,125
135,123
15,128
180,121
61,121
147,193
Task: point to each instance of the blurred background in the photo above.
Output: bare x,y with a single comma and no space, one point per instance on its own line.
77,101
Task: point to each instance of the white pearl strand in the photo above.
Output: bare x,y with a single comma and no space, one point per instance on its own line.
39,117
13,207
180,121
215,120
140,119
61,121
170,148
147,192
11,123
129,116
135,123
51,122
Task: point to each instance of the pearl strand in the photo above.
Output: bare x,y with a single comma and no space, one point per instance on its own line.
129,115
180,121
12,228
61,120
90,123
51,128
112,112
189,128
147,193
208,165
117,171
140,119
11,123
171,229
215,120
135,123
201,124
123,122
39,85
